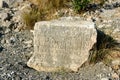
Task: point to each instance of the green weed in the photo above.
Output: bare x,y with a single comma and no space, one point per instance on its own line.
80,4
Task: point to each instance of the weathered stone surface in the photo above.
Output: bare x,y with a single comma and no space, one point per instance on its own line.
62,44
4,16
111,24
1,3
7,3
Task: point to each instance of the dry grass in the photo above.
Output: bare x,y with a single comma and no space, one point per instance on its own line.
49,4
31,17
105,48
41,10
45,11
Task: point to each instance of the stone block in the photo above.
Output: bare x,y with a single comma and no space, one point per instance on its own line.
62,44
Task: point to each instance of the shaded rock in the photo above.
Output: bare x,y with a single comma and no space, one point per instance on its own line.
1,34
3,4
104,14
110,24
62,44
1,48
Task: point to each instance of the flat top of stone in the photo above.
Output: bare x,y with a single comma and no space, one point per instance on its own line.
66,21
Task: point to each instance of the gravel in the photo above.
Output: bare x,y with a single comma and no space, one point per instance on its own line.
17,47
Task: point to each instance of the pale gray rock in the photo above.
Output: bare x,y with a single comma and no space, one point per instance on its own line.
3,16
62,44
110,24
12,39
7,24
11,2
1,3
7,3
7,31
1,48
105,79
106,12
28,42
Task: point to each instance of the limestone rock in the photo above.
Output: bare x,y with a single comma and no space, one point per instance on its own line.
115,76
4,16
105,79
62,44
1,3
110,24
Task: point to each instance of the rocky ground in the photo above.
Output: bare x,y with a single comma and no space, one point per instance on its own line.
16,46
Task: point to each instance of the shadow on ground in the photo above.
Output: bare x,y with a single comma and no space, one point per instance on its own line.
106,49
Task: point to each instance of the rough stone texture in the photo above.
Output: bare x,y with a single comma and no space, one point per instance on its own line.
62,44
4,16
1,3
7,3
111,24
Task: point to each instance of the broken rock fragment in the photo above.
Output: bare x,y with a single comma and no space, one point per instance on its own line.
62,44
